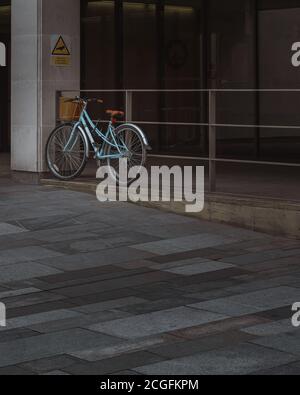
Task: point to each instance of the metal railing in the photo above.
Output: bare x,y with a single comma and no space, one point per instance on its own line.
212,124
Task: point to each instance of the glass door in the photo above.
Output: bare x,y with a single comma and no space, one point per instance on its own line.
156,45
140,60
232,65
98,44
184,67
279,29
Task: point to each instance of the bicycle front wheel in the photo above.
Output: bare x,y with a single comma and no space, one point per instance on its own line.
66,152
131,145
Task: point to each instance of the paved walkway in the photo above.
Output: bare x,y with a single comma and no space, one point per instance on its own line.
96,288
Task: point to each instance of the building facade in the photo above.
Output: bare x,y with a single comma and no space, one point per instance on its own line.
157,45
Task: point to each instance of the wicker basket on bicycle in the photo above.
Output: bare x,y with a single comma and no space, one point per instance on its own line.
69,109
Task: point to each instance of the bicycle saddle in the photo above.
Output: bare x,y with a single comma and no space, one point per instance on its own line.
115,113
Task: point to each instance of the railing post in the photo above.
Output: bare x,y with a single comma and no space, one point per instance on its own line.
57,97
128,105
212,141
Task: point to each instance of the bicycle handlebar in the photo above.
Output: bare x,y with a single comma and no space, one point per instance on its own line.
94,100
85,100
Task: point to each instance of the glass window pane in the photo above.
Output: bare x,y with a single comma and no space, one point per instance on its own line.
98,30
232,65
140,55
278,31
184,68
140,60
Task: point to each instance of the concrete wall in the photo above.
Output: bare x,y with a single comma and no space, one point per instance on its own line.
34,79
24,79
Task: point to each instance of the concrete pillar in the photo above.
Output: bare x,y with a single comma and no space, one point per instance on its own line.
35,79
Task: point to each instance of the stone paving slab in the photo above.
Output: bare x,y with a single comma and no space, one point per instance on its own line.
155,323
209,253
291,369
111,304
234,324
31,300
45,365
242,359
252,302
113,365
189,268
25,254
78,321
15,371
18,292
226,306
264,256
184,244
272,328
115,288
29,320
125,347
7,229
289,343
118,283
152,306
15,334
187,348
23,271
95,259
48,345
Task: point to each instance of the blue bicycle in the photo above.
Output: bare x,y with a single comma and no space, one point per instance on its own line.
68,147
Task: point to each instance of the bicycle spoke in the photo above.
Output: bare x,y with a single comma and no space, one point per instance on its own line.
132,148
66,163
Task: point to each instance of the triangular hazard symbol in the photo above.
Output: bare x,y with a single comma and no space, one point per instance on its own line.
60,48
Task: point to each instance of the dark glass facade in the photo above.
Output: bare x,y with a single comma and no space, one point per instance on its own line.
191,44
198,44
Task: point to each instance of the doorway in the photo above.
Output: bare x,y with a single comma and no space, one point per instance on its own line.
156,45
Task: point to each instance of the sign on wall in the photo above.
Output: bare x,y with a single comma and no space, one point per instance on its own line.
61,52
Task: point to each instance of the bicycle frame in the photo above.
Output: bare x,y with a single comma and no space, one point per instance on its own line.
88,127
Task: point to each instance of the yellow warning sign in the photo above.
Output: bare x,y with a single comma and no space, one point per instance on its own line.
61,51
61,61
61,48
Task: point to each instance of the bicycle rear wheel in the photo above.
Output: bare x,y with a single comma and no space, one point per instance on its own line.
133,149
66,152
